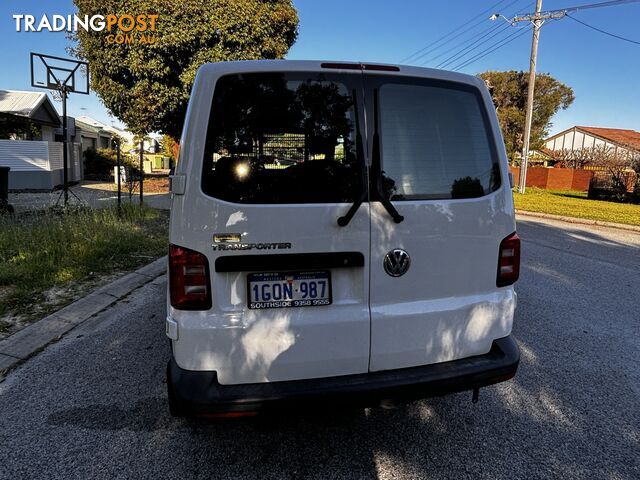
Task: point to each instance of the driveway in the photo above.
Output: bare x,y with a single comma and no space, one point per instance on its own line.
93,405
85,193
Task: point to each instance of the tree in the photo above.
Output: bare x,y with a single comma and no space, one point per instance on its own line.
14,126
509,92
169,146
147,85
567,158
616,166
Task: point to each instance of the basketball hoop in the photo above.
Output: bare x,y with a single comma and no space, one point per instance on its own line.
63,76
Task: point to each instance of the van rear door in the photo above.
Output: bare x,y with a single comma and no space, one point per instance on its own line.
433,275
283,160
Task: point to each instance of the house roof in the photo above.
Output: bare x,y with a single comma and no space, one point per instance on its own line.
90,121
87,127
104,128
33,105
627,138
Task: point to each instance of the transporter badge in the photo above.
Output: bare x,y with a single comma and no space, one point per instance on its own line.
232,241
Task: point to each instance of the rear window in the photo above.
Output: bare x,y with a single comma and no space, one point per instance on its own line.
436,141
282,138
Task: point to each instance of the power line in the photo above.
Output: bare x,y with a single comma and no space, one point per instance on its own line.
474,40
602,31
501,43
595,5
432,46
561,13
436,47
461,34
470,48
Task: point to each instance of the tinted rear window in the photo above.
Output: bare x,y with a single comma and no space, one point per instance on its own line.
282,138
436,141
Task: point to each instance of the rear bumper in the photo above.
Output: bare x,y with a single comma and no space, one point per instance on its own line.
200,392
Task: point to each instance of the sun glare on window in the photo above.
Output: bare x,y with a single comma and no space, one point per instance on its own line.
242,170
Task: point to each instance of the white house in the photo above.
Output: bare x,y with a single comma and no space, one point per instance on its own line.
91,136
31,149
621,141
106,131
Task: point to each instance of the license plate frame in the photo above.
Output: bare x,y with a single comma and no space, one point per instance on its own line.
282,278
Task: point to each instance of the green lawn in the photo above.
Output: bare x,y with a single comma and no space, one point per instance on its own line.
576,204
46,258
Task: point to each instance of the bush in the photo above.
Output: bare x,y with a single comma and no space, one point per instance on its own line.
614,187
99,163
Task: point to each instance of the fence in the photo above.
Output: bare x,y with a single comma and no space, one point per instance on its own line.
37,165
622,181
556,178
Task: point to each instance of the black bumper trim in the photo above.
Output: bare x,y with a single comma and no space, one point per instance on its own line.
288,261
200,392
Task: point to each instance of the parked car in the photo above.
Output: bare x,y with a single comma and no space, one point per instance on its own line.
380,266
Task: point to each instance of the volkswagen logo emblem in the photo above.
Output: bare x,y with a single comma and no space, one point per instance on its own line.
396,262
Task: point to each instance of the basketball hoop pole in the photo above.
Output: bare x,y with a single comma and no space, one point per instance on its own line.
65,153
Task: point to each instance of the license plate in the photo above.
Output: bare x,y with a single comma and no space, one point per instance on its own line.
292,289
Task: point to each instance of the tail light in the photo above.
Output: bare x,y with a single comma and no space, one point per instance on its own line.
509,261
189,284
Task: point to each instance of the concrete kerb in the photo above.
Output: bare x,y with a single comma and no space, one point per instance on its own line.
30,340
579,221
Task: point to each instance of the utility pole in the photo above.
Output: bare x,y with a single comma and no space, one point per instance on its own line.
537,23
119,176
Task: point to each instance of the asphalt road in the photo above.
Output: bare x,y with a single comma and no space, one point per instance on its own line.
93,405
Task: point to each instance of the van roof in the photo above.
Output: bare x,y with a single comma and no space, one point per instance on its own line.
246,66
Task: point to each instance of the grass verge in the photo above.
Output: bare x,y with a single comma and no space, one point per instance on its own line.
47,258
576,204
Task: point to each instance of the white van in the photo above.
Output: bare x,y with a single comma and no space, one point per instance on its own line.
339,233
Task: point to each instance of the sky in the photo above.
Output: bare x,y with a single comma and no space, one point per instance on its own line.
604,72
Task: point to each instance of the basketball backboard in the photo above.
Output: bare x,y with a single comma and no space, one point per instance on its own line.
57,73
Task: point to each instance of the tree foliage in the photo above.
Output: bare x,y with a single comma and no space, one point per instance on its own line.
567,158
509,92
169,146
147,86
12,126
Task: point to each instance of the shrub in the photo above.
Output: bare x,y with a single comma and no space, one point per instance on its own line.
99,163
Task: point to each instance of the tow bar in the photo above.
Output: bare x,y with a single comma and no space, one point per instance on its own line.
476,393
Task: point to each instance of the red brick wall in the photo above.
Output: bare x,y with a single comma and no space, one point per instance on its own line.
581,179
556,178
559,179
